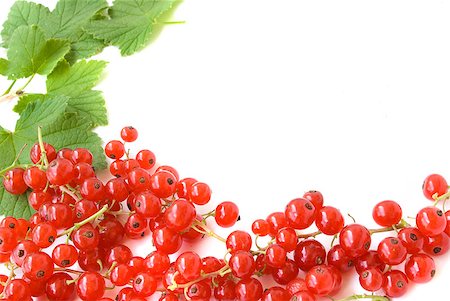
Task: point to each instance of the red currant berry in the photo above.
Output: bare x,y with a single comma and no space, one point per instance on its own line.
147,204
431,221
92,189
387,213
144,284
329,220
146,159
36,199
412,239
157,263
225,291
89,260
260,227
371,280
249,289
120,275
227,214
315,197
184,186
136,264
17,290
35,178
23,249
300,213
60,287
391,251
199,291
304,296
308,254
163,184
90,286
434,185
275,256
37,266
276,221
355,240
242,264
395,283
129,134
65,255
200,193
286,273
189,265
118,169
420,268
276,293
369,260
114,149
287,238
82,155
60,172
166,240
296,285
180,215
436,245
118,254
43,235
13,181
65,153
320,280
35,152
339,259
111,232
239,241
8,239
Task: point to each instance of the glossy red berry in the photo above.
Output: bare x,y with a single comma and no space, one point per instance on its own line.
65,255
13,181
304,296
371,279
239,241
300,213
157,263
286,273
249,289
35,178
434,185
200,193
189,265
367,261
420,268
387,213
86,237
60,172
338,258
242,264
166,240
412,239
287,238
296,285
308,254
355,240
144,284
120,275
260,227
114,149
147,204
329,220
43,234
129,134
82,155
431,221
92,189
35,152
395,283
436,245
118,169
276,221
225,291
180,215
146,159
17,290
37,266
226,214
391,251
275,256
320,280
315,197
184,186
8,239
23,249
163,184
276,293
59,287
90,286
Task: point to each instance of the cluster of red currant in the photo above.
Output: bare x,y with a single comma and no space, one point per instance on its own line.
142,198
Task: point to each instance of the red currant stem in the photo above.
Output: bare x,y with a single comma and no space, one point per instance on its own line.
223,271
84,222
69,282
206,231
388,229
14,164
10,277
333,240
174,22
100,264
261,248
308,235
41,145
208,214
354,220
20,90
114,264
365,296
437,198
72,194
68,271
9,89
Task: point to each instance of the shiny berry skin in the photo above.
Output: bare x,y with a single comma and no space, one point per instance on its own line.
136,226
35,178
90,286
431,221
367,261
89,260
60,172
420,268
395,283
286,273
300,213
180,215
144,284
60,215
82,172
139,180
166,240
184,186
157,263
387,213
447,228
17,290
242,264
8,239
260,227
434,184
391,251
436,245
82,155
129,134
65,255
43,235
199,291
118,169
371,279
227,214
117,189
92,189
303,296
84,209
111,231
276,293
200,193
171,170
189,265
276,221
120,275
36,199
287,238
320,280
296,285
308,254
57,287
35,152
315,197
37,266
412,239
13,181
339,259
239,241
147,204
135,265
249,289
23,249
329,220
65,153
337,280
355,240
225,291
86,237
114,149
275,256
163,184
146,159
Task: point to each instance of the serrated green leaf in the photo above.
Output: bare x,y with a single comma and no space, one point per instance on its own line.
14,205
3,66
7,150
84,46
76,82
25,100
131,24
24,13
30,52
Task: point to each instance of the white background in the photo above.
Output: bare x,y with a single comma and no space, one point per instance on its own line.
264,100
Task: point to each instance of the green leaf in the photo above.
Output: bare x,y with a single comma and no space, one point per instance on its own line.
30,53
76,82
84,46
24,13
14,205
3,66
25,100
132,23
